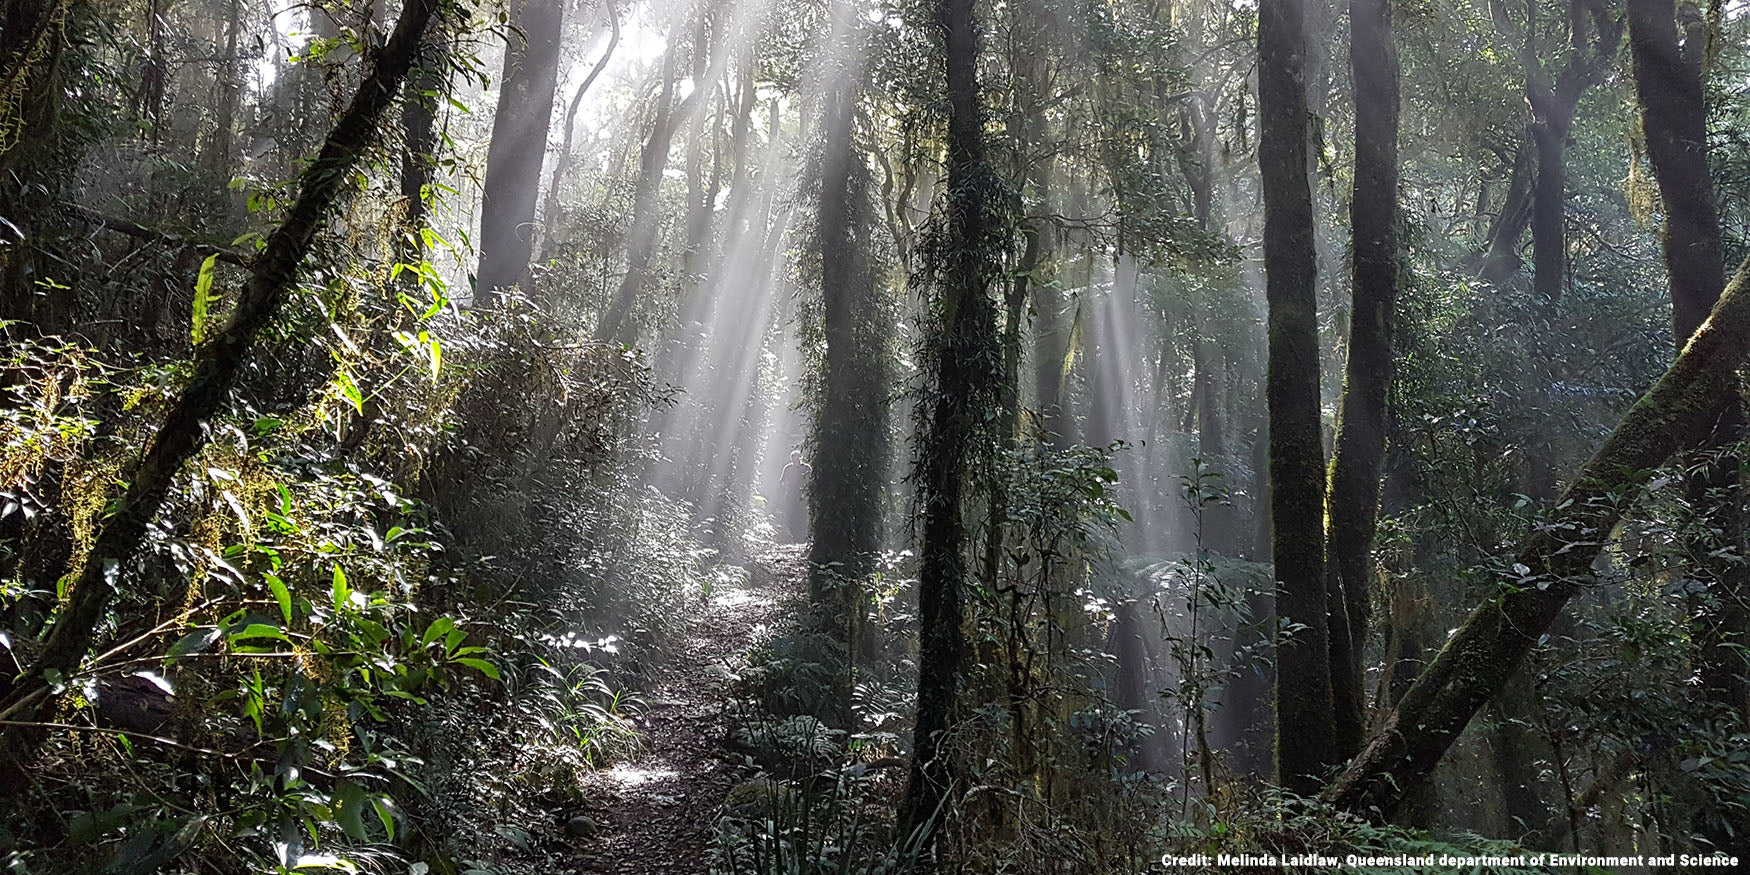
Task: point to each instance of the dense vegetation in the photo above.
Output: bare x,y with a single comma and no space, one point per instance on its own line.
937,435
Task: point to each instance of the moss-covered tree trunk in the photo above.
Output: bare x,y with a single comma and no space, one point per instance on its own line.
1304,728
1352,514
32,41
1668,83
1552,565
216,367
965,374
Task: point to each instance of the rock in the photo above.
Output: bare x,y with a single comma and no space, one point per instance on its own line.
137,703
760,797
581,826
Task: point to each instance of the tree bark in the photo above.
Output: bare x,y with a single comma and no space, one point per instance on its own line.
1668,83
617,324
1304,729
562,164
221,151
1549,242
216,367
848,472
1352,515
1501,257
31,44
419,134
966,378
1552,565
518,145
1553,102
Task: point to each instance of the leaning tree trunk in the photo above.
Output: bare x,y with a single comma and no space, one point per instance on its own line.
419,141
216,367
966,378
1297,459
518,143
1668,83
1552,565
1352,515
617,324
1500,256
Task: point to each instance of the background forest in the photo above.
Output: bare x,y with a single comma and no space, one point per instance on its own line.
866,436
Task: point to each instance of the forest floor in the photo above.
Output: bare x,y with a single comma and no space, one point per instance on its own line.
654,814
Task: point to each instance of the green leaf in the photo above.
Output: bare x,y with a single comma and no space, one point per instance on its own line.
385,813
259,630
437,354
342,592
282,595
480,665
195,642
438,627
349,810
203,299
350,391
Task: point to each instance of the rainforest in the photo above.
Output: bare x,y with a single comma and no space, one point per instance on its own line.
779,437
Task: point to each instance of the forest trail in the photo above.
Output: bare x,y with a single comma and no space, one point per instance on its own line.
655,813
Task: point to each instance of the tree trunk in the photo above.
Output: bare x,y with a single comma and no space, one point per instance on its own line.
1297,490
518,145
216,368
1549,244
419,134
562,164
31,43
848,475
1206,390
701,188
222,151
1668,83
1352,515
617,324
1552,565
966,379
1515,745
1501,257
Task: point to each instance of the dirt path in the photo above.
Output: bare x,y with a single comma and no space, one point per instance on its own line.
655,813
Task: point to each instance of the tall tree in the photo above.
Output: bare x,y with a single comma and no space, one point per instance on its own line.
1553,100
965,375
847,482
217,364
32,42
568,128
1668,83
1352,503
518,145
617,324
419,134
1304,727
1552,565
